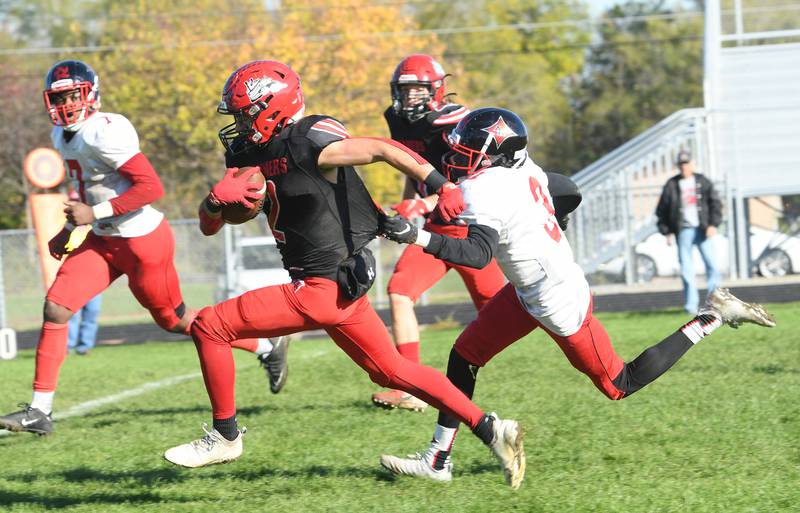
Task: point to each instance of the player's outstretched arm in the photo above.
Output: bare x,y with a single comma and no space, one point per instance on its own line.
476,250
359,151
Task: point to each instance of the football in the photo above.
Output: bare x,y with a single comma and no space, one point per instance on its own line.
238,213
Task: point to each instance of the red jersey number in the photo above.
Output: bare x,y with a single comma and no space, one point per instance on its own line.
551,227
74,172
274,211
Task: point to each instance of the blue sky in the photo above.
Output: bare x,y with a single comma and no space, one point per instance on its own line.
596,7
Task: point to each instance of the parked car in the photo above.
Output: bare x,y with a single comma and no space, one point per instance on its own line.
257,264
773,254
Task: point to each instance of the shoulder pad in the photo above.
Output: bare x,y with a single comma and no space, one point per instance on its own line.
448,114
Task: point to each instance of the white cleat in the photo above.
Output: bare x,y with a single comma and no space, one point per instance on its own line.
507,447
419,465
733,311
212,448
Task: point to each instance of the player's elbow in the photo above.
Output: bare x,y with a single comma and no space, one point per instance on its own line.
478,260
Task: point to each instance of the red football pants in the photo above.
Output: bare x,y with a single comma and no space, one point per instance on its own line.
146,260
90,269
417,271
504,320
315,303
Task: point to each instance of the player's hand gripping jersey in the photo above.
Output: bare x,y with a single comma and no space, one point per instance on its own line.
102,158
308,214
532,251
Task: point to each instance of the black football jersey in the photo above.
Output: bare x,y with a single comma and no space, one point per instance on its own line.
317,224
426,136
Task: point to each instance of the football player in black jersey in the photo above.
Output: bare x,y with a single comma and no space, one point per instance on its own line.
322,218
420,118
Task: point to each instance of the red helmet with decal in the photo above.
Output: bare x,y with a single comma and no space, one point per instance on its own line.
263,97
417,70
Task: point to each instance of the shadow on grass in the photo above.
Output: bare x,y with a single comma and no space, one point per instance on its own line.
166,474
774,369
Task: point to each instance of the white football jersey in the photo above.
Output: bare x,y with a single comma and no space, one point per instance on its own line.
102,144
533,252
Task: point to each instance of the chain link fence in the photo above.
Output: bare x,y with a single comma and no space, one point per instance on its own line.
201,264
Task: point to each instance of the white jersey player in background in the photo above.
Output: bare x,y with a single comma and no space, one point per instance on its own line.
511,216
116,185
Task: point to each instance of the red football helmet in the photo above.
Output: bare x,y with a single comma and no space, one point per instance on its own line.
423,70
262,96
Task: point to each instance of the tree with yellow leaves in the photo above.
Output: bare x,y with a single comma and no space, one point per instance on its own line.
169,61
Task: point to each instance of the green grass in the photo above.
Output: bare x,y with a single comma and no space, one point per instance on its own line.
719,432
24,310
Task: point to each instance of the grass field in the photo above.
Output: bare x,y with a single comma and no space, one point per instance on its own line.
720,432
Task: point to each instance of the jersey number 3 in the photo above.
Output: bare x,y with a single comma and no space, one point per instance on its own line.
551,227
274,211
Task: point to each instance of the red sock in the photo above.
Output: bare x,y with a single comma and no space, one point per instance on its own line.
409,351
248,344
50,355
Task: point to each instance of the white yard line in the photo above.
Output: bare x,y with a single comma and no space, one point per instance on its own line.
80,409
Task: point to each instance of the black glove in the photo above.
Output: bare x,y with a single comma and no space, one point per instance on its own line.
398,229
563,222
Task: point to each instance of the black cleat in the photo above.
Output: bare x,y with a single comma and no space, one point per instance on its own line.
32,420
276,364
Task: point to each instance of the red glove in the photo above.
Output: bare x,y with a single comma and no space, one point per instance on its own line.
451,202
58,244
411,208
233,188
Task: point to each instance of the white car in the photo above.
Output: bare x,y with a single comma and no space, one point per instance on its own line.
257,263
772,253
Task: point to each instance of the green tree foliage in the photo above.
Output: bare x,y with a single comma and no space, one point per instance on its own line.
524,61
639,72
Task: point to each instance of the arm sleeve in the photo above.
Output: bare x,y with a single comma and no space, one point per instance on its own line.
145,187
475,251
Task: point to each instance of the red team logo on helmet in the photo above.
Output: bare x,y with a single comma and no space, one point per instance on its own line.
71,93
499,131
61,72
262,96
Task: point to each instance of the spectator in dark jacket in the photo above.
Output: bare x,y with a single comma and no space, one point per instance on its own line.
690,211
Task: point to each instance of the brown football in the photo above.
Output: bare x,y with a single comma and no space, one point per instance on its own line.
238,213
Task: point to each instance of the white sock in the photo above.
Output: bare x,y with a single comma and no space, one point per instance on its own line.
443,438
43,401
701,326
264,346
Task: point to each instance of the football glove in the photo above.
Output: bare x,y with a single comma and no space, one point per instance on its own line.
411,208
58,244
398,229
233,189
451,202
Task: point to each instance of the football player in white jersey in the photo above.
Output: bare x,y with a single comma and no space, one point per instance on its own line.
512,218
116,184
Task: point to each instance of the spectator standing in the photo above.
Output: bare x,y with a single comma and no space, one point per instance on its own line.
690,211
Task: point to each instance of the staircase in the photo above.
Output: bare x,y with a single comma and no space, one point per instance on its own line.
621,190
